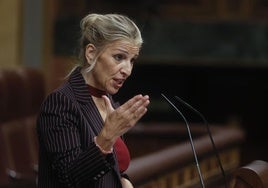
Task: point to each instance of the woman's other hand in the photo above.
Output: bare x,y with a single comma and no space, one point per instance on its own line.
126,183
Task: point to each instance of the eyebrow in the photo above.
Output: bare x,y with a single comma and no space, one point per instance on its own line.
125,51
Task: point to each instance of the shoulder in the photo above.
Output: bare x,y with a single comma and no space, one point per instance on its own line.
59,98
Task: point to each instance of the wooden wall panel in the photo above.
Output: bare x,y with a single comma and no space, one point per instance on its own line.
10,33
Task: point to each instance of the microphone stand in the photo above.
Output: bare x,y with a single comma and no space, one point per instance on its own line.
191,140
209,133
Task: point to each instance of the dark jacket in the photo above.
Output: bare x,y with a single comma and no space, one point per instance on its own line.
66,126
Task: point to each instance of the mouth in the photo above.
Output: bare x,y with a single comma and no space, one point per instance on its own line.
118,83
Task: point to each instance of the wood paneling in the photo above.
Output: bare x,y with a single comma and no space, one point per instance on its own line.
10,33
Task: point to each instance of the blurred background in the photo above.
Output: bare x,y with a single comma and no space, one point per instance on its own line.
211,53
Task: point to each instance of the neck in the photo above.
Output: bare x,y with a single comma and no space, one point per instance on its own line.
96,92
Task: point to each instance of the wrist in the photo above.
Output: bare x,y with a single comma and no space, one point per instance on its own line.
104,151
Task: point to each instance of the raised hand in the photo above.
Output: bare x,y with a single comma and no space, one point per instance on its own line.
119,121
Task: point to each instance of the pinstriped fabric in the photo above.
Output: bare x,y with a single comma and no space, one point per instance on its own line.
66,125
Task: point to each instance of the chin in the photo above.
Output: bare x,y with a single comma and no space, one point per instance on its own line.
113,91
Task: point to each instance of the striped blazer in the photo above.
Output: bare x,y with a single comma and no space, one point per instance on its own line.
66,125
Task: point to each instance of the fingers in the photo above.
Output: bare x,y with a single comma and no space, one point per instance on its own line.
120,120
136,107
140,107
108,104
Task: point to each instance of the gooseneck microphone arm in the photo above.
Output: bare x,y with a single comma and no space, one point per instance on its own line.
209,133
190,137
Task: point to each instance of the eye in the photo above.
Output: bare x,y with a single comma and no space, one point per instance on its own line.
118,57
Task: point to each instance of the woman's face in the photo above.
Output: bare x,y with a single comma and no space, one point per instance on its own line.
114,65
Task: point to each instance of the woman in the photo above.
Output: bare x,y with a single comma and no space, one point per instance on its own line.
79,125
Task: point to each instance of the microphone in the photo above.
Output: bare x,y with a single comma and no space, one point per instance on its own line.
209,133
191,140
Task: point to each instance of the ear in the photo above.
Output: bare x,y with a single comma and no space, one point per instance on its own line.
90,52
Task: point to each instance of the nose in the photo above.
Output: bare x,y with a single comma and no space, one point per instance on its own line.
126,68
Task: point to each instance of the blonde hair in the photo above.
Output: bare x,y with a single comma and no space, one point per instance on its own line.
102,29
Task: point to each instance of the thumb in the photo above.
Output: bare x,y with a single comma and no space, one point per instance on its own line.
108,104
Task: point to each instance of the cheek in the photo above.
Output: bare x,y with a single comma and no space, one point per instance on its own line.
107,67
105,63
105,71
112,71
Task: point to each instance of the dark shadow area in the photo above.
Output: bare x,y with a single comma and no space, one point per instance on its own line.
221,94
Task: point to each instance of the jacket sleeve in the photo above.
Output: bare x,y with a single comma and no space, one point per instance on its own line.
59,134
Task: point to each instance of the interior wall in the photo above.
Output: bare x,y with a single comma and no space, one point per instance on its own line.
10,33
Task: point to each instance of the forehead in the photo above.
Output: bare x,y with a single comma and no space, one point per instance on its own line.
124,46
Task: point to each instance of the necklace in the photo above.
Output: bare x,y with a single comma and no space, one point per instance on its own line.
96,92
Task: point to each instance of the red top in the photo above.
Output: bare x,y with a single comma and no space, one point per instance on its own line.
122,154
